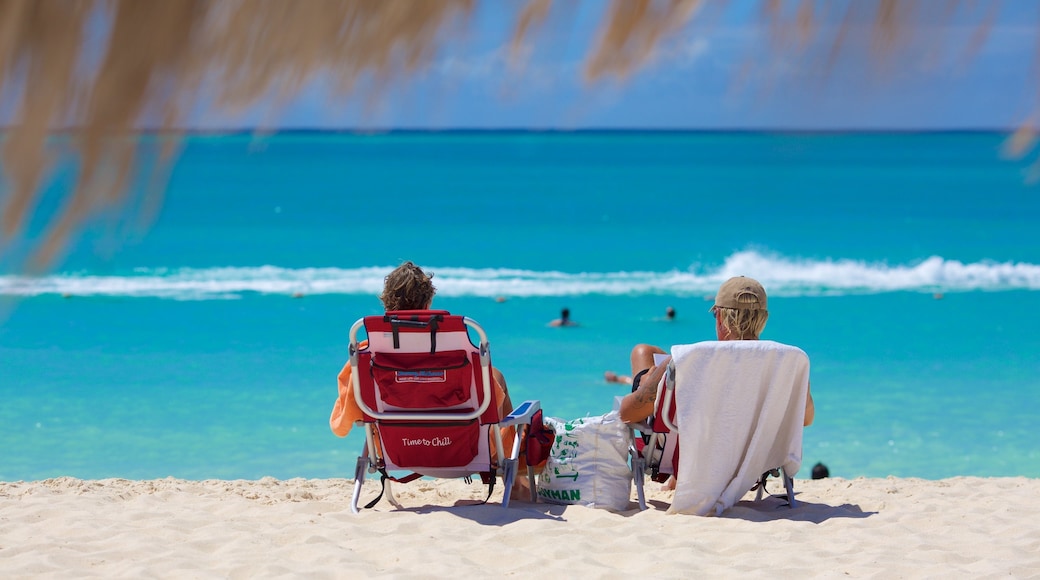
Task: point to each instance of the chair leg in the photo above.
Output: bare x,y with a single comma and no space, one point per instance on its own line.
638,476
789,485
390,496
359,480
523,416
508,477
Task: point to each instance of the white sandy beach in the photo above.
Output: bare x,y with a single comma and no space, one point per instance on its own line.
964,527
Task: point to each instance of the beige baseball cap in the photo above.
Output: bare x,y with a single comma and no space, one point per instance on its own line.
741,293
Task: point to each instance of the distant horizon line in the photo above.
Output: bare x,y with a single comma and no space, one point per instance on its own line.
520,130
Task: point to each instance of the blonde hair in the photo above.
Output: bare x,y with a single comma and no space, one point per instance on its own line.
407,288
743,324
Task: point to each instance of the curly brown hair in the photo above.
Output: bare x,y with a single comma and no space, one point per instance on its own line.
407,288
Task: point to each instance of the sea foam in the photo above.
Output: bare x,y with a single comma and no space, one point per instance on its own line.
782,276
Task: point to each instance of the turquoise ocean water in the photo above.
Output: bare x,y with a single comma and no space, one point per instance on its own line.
906,265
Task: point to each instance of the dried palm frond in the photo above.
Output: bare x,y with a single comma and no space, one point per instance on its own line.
101,71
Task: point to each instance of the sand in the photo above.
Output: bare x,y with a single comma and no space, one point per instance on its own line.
964,527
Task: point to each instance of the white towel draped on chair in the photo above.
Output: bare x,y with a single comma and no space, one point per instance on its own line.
740,406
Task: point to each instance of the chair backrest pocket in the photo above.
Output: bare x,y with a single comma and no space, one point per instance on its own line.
430,445
421,381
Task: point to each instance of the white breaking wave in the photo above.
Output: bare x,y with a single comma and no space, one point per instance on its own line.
781,276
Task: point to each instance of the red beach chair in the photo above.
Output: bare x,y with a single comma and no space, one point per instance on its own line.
429,404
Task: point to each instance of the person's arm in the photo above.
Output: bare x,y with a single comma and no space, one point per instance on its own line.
810,407
639,404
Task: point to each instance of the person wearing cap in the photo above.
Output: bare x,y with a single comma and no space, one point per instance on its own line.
740,312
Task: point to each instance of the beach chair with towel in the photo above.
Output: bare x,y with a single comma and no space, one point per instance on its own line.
729,415
429,405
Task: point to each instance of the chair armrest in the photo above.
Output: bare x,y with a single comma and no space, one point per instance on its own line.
521,414
645,427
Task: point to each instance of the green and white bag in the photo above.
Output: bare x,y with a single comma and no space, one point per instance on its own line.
588,463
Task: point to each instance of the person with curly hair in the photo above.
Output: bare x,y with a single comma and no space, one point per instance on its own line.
407,287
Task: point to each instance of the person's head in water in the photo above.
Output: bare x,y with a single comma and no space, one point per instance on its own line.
407,288
564,319
669,313
740,309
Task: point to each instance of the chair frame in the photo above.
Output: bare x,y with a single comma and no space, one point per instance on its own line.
654,450
371,459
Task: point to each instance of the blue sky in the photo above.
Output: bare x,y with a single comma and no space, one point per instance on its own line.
721,71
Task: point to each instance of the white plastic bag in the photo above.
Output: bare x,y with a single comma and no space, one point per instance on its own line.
588,463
